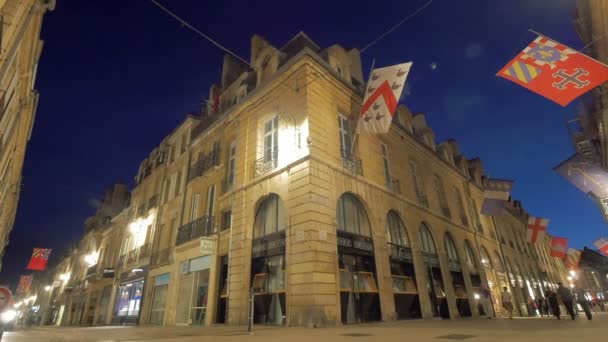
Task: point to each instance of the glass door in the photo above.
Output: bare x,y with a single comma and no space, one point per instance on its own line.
198,311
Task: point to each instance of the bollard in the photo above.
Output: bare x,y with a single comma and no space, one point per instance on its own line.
250,318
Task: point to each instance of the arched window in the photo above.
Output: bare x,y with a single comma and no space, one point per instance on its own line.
396,230
428,245
351,216
468,252
498,261
476,217
450,248
485,258
270,217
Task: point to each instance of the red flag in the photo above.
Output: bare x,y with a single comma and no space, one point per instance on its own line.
559,246
39,259
25,282
555,71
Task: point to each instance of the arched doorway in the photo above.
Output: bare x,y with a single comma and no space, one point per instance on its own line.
473,267
359,300
407,302
268,262
493,284
462,301
434,279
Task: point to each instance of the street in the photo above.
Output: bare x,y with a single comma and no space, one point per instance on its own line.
518,329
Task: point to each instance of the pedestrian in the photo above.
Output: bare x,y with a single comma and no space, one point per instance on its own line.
486,301
566,297
582,300
507,301
540,304
551,298
532,307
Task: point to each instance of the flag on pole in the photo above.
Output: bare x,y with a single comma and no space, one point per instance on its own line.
555,71
495,196
39,259
25,282
559,246
573,258
602,245
537,228
382,96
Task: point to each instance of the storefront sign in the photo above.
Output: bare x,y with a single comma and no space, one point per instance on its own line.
134,273
356,242
207,246
108,273
162,279
269,245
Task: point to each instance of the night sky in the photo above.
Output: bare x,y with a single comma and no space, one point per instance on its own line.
115,77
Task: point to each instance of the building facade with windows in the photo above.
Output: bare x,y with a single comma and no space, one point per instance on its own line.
20,49
273,195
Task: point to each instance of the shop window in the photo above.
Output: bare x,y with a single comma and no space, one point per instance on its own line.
351,216
428,245
450,247
396,230
269,217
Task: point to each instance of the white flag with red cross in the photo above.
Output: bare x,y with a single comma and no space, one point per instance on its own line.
382,95
537,228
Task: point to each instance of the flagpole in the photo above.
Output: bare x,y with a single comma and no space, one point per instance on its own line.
371,71
540,34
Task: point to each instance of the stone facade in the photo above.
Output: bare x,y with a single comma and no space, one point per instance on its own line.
269,193
20,49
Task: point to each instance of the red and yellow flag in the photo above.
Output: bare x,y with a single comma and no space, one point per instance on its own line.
555,71
40,258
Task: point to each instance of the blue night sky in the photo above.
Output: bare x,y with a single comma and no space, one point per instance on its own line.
115,77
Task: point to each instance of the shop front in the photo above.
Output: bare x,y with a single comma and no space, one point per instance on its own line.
159,298
268,279
462,300
359,298
434,279
268,263
193,291
405,291
129,297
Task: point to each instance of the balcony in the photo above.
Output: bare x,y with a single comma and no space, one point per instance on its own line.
399,252
265,164
195,229
134,255
352,164
205,162
394,185
91,271
161,257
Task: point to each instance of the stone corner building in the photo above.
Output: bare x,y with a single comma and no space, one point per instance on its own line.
269,195
20,49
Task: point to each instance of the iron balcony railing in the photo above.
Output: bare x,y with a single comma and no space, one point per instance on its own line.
394,185
352,164
92,271
265,164
200,227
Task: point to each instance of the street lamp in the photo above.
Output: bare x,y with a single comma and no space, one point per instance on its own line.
64,276
48,288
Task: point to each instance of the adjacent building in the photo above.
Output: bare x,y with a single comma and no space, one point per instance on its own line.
268,193
20,48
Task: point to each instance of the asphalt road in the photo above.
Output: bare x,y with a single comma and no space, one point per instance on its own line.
518,329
